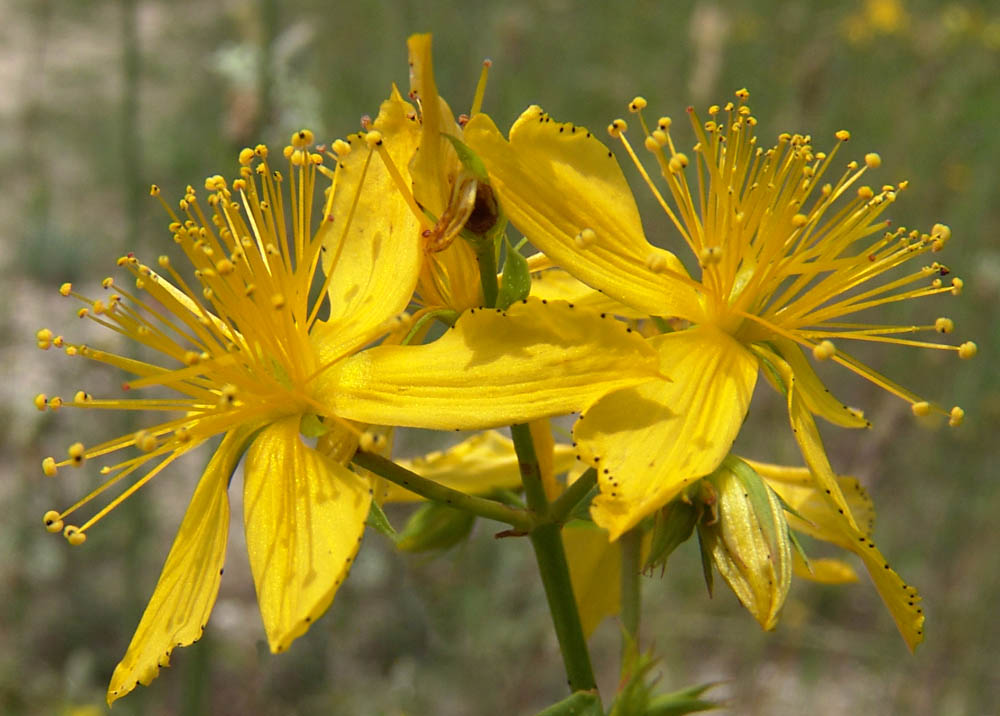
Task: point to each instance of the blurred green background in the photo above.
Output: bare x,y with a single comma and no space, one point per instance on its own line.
100,98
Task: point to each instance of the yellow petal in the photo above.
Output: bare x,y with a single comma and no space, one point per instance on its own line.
595,571
493,368
484,462
435,166
558,285
824,570
304,515
817,396
650,441
825,522
556,182
185,593
372,247
807,435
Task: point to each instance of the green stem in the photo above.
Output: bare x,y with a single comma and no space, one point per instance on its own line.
563,506
546,539
487,271
631,596
518,519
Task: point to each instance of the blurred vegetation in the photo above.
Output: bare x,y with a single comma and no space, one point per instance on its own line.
100,98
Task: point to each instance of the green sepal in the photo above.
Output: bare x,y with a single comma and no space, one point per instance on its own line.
435,526
515,284
672,526
378,521
579,703
469,159
756,490
706,562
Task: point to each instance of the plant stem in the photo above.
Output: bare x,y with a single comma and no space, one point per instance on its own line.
631,594
563,506
487,272
518,519
546,539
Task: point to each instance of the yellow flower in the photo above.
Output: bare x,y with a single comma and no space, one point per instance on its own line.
784,255
449,276
245,352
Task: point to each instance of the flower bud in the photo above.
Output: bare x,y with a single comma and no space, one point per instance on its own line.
749,542
435,526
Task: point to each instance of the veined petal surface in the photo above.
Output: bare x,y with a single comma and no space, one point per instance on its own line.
566,192
493,368
189,583
484,462
304,516
595,571
372,243
650,441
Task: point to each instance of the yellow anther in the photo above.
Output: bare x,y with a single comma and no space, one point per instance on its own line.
873,160
66,289
742,94
55,402
637,105
98,308
651,144
278,301
710,255
865,193
371,441
677,162
44,338
585,238
824,350
660,137
956,286
41,401
656,262
49,467
183,434
191,358
616,128
52,521
842,135
967,350
341,148
956,416
944,325
82,397
303,138
246,156
75,453
224,267
921,409
74,536
145,441
800,220
936,283
941,231
261,151
663,123
373,138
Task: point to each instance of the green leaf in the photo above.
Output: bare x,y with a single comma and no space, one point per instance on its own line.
580,703
515,283
378,521
685,701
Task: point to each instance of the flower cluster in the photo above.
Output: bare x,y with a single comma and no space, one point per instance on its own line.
278,322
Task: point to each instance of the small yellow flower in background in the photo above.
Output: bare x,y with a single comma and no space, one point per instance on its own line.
785,253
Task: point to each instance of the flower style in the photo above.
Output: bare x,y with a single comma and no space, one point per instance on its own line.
784,257
246,353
